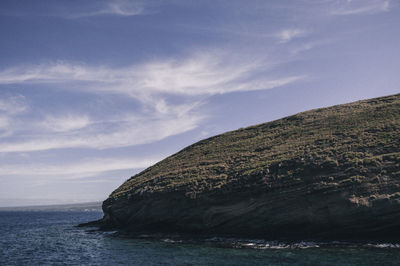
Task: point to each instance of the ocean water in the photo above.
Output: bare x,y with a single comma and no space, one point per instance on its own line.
51,238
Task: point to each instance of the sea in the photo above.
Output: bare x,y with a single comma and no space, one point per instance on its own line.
52,238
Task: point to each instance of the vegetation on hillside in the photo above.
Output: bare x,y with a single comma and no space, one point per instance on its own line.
340,146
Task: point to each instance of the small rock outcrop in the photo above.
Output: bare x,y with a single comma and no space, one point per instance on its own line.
326,173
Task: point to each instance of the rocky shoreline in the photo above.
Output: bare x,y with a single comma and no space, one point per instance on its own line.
331,173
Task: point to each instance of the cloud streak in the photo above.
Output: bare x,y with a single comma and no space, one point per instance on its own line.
362,7
13,105
114,8
87,168
66,123
10,107
201,74
123,134
287,35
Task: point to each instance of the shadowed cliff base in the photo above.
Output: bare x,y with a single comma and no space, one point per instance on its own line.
326,173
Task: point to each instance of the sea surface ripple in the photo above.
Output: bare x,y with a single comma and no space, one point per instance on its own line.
51,238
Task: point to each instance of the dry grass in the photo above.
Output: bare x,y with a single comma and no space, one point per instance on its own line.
342,144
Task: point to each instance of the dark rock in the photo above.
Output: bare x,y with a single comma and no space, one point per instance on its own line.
326,173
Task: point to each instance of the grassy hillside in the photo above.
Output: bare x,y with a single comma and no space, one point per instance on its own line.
332,172
340,144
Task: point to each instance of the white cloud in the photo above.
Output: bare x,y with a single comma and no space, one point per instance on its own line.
123,8
53,73
13,105
200,74
114,8
83,169
139,130
130,136
66,122
361,7
287,35
10,107
204,74
306,46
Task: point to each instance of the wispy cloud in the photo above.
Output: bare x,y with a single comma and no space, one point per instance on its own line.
114,8
310,45
13,105
361,7
122,134
151,83
10,107
66,123
86,168
200,74
287,35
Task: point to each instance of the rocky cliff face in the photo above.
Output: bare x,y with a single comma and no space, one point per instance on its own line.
331,172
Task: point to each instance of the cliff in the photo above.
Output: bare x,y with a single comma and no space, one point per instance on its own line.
326,173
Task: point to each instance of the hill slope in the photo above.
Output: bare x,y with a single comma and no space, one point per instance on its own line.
331,172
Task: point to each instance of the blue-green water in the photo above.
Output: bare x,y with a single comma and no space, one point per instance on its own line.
50,238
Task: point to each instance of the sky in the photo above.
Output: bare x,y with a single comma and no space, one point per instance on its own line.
93,92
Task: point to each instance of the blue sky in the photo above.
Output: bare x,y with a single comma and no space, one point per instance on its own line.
92,92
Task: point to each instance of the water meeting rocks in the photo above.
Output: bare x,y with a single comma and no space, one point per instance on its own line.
331,172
